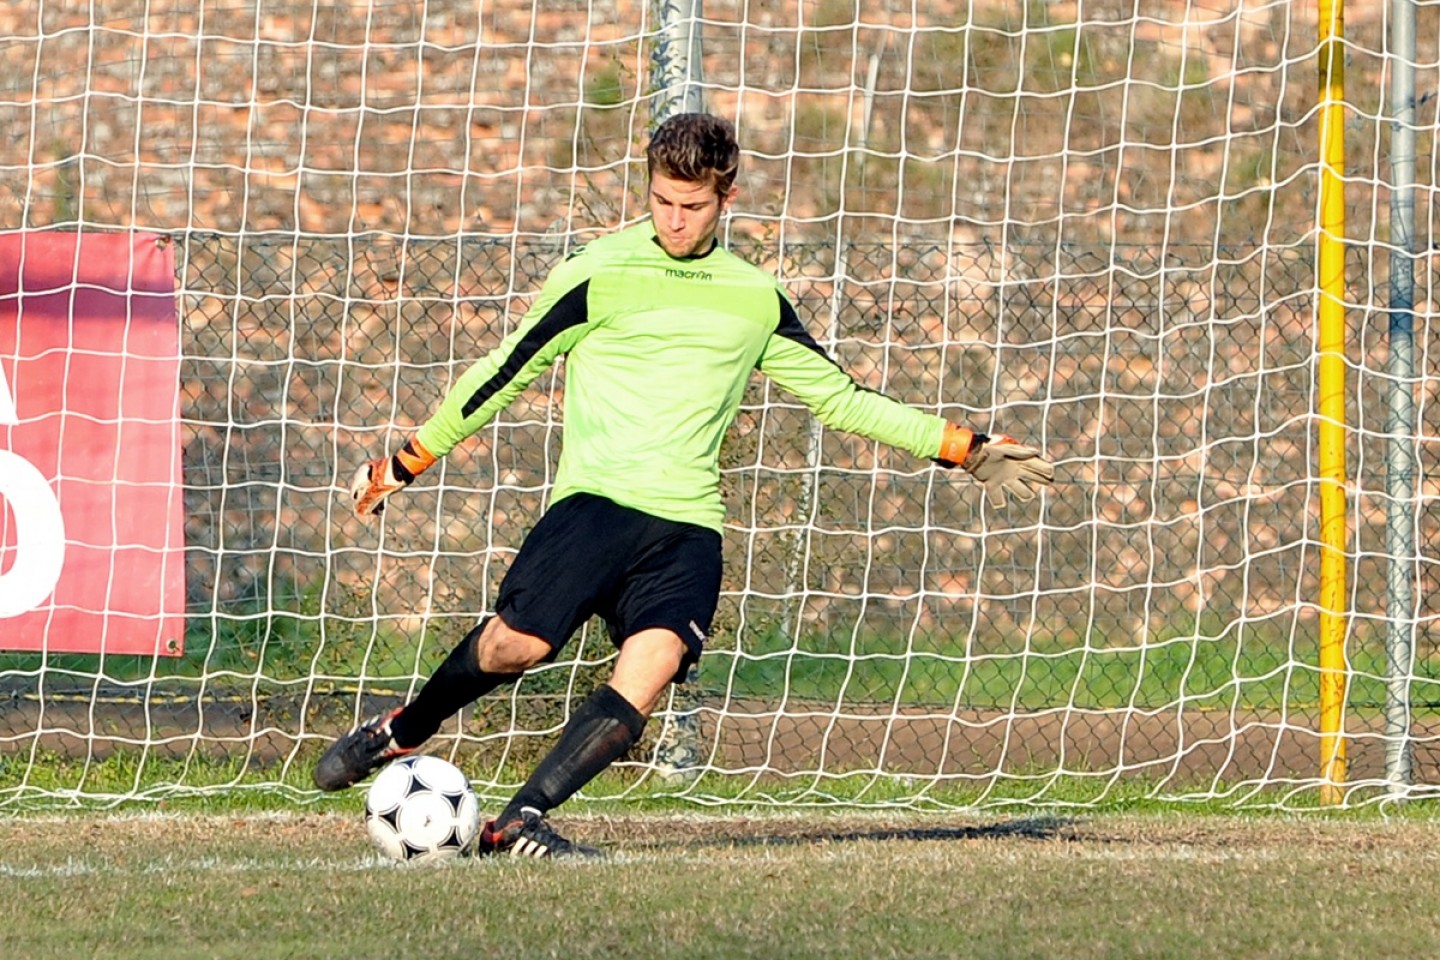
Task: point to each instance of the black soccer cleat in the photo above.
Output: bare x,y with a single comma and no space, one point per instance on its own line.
527,834
356,755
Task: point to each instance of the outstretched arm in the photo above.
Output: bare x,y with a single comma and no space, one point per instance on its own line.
550,328
795,361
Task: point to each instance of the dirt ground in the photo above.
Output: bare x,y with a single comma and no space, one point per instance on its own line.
1193,748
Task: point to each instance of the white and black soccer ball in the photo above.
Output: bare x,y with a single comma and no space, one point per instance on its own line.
421,808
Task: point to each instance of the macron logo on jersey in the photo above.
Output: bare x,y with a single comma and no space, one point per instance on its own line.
679,274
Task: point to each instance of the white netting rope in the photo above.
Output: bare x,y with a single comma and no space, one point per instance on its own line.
1090,227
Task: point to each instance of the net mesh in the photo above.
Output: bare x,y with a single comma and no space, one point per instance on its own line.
1086,226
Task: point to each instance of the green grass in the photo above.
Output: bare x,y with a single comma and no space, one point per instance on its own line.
1258,670
286,637
132,782
739,886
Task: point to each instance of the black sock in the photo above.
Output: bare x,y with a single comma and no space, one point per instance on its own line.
455,683
600,732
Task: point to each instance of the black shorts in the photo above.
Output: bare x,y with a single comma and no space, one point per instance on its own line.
589,556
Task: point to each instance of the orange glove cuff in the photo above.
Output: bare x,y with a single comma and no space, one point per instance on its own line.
413,459
955,444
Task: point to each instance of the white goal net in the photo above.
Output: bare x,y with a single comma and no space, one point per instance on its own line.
1090,225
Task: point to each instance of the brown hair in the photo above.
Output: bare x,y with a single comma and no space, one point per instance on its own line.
696,148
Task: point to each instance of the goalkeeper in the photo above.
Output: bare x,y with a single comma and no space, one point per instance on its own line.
661,327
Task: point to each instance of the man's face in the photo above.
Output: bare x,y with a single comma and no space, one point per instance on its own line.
686,213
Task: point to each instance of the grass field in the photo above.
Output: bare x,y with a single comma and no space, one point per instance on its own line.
272,885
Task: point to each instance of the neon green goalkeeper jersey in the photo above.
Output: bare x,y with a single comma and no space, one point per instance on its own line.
658,354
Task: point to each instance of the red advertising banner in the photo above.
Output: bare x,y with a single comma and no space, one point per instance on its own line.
92,548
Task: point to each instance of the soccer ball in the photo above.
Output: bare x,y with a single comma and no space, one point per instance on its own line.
421,809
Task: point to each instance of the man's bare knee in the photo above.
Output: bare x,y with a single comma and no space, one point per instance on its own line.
505,650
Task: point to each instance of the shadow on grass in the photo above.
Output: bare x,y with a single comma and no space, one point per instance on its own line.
740,834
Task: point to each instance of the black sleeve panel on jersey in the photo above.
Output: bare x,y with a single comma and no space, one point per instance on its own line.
795,362
571,310
792,329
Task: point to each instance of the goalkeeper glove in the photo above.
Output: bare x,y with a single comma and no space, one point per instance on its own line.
1000,464
376,480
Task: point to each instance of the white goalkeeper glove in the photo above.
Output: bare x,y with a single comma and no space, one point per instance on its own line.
376,480
1000,464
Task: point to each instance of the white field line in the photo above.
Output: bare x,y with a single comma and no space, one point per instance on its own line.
1023,852
86,868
